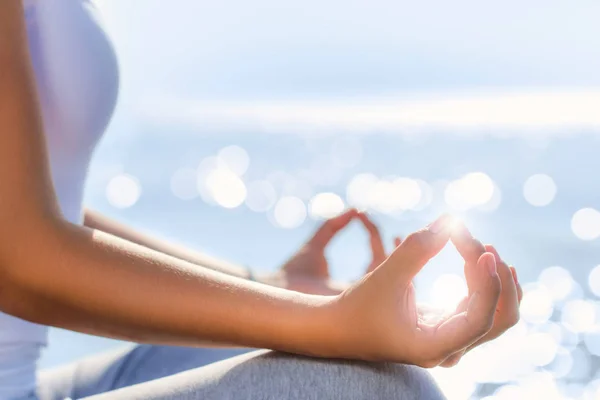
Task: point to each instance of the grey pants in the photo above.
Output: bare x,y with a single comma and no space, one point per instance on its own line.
177,373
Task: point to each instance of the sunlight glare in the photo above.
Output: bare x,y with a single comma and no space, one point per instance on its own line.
448,290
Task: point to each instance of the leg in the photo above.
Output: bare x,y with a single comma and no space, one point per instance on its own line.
271,375
124,367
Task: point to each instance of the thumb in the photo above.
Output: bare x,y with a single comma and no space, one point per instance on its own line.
419,247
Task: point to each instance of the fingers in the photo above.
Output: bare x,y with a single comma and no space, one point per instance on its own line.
331,227
469,248
377,248
418,248
507,313
464,329
508,304
397,241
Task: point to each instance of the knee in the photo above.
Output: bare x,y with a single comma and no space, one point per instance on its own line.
307,378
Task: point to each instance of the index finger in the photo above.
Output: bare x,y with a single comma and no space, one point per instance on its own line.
331,227
377,247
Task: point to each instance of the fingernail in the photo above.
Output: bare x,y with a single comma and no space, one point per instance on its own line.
491,264
439,225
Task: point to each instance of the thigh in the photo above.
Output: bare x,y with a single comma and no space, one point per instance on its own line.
124,367
271,375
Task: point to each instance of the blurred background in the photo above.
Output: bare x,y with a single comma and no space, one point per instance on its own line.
241,125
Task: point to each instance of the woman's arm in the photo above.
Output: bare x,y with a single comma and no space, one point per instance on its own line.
56,273
95,220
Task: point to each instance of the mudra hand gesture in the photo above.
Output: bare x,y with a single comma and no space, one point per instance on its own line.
394,328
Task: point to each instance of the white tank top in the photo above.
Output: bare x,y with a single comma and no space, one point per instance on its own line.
77,79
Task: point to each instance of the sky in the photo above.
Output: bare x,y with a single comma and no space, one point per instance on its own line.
269,49
318,66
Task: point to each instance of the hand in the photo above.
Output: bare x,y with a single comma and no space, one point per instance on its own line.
507,311
378,318
308,270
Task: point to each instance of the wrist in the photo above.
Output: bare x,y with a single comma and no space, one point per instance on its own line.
316,330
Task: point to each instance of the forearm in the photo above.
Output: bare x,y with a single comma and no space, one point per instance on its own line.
95,220
56,273
92,282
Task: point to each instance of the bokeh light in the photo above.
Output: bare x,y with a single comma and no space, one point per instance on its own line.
289,212
384,197
562,364
206,167
234,158
558,281
586,224
426,195
226,188
472,190
409,193
325,205
578,315
494,202
123,191
541,349
594,280
359,189
539,190
537,305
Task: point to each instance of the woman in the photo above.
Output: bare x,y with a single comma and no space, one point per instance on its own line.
58,84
